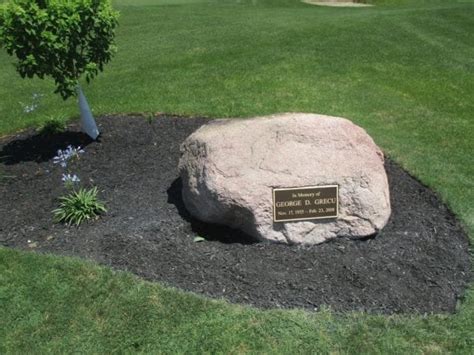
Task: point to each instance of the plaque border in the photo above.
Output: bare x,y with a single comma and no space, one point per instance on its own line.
303,188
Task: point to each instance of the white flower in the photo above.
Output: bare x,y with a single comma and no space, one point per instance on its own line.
37,96
68,178
66,154
29,108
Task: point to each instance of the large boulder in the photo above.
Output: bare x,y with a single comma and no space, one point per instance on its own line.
229,168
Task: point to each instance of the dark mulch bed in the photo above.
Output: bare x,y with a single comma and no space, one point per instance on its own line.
419,263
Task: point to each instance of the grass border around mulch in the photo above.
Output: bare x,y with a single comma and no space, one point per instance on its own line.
55,304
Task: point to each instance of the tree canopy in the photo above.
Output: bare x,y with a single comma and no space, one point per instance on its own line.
63,39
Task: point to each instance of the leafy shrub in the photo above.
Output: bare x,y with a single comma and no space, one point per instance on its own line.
59,38
78,206
52,126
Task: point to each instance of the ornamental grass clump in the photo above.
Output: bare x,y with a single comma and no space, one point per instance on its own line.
79,204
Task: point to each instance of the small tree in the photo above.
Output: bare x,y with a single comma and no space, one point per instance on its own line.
62,39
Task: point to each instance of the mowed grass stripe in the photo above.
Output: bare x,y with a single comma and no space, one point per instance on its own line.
52,304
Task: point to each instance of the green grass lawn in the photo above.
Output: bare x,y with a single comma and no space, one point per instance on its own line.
403,70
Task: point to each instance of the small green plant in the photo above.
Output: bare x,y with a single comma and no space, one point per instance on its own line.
52,126
150,117
78,206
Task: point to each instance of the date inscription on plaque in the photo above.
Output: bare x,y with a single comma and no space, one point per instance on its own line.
305,203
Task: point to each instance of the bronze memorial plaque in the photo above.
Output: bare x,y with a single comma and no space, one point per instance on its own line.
304,203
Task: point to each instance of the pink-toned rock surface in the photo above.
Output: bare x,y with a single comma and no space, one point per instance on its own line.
229,168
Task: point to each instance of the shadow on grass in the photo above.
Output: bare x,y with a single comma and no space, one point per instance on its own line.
40,147
212,232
